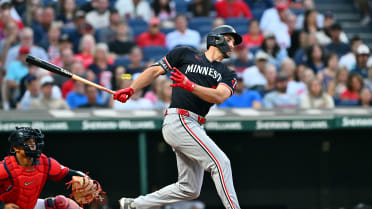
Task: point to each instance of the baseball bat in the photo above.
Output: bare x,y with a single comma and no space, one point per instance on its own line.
60,71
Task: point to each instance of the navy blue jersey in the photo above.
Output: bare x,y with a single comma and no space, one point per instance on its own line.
199,70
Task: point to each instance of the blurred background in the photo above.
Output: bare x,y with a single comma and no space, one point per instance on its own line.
297,129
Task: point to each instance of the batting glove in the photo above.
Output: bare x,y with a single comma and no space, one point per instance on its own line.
181,80
123,95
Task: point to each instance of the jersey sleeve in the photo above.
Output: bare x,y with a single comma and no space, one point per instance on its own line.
229,80
56,171
172,59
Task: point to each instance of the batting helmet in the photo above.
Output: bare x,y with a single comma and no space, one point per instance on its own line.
22,134
216,38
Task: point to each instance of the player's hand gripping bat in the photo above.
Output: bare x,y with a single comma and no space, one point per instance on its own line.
60,71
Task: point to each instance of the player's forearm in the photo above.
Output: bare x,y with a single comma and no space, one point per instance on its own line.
215,96
72,173
147,77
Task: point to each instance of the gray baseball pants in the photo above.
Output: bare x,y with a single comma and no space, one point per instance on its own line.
195,153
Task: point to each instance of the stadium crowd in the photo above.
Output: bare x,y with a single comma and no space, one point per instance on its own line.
291,56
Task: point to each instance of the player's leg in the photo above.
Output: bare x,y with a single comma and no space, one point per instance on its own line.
212,159
188,186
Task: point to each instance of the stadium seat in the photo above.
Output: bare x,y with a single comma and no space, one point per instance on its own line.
240,24
154,53
138,29
181,6
197,22
167,30
122,61
136,21
257,13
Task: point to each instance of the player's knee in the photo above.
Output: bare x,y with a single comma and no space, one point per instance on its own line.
189,191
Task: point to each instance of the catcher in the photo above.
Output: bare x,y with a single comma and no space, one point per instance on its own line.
24,172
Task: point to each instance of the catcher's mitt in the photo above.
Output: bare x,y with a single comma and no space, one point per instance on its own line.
84,189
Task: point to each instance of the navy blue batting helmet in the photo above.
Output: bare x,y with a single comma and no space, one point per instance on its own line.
216,38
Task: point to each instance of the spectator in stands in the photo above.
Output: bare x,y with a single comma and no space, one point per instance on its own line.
274,20
315,58
82,28
134,9
306,40
30,15
41,29
76,97
271,47
51,44
200,8
47,100
353,86
323,36
295,34
280,98
338,85
136,64
119,72
243,98
270,76
93,98
163,9
232,8
349,59
182,36
364,5
316,97
64,42
164,95
67,12
33,70
108,33
8,14
99,17
10,39
33,92
254,37
123,42
329,73
152,37
253,76
368,81
309,5
241,58
135,103
298,86
362,56
288,66
67,58
102,66
16,71
337,45
310,22
26,39
365,97
87,45
77,68
155,89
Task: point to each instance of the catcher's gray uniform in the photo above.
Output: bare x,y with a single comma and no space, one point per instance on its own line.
195,152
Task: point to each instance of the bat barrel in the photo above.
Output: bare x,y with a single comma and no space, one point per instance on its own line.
48,66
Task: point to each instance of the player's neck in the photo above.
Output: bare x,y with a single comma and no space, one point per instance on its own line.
24,161
213,55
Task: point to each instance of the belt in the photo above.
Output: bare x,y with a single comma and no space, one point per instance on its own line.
187,113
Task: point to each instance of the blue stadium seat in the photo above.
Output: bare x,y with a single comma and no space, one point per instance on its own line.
154,53
257,13
138,29
167,30
197,22
181,6
122,61
237,22
136,21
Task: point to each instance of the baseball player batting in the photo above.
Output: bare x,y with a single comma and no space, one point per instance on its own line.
200,81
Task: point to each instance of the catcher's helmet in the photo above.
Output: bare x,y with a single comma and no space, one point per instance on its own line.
22,134
215,38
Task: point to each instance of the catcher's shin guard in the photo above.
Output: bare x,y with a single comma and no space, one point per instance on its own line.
61,202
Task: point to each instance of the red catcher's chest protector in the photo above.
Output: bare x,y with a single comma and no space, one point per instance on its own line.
24,183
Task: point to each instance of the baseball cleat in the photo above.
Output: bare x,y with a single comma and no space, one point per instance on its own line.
127,203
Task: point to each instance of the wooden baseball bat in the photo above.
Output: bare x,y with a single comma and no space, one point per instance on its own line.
60,71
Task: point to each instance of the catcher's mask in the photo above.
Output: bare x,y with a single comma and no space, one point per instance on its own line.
22,134
216,38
